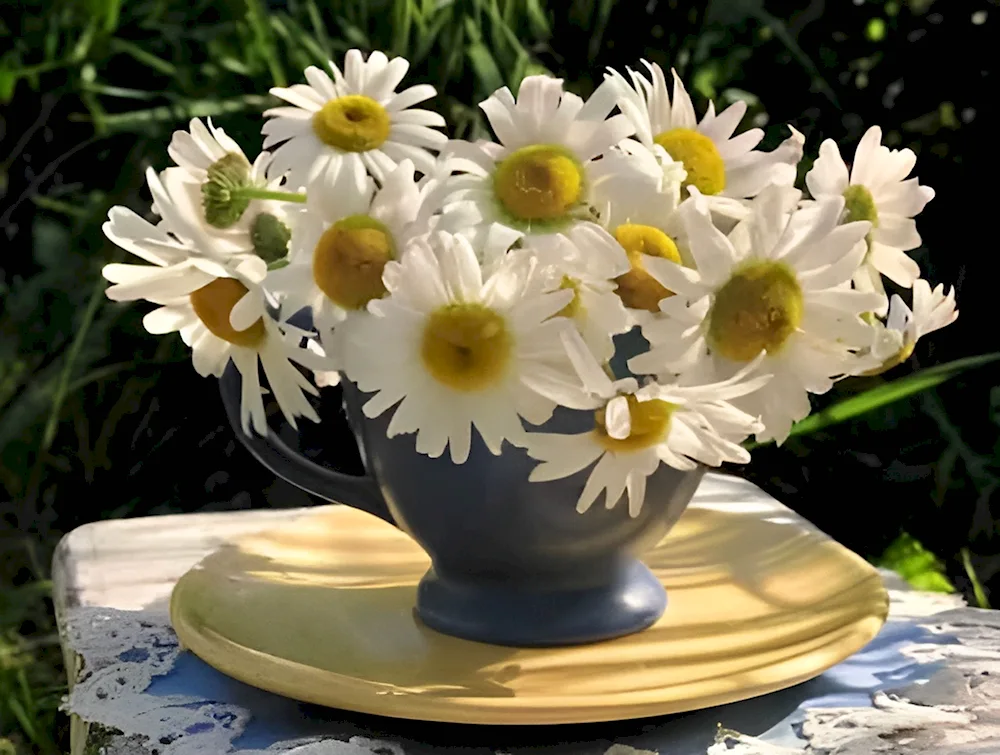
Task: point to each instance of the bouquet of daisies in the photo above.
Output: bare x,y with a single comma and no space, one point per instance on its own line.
618,255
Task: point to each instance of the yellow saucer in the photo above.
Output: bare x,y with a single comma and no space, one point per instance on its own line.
321,610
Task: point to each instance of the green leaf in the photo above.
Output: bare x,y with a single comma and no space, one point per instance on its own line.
427,40
70,363
319,27
537,19
401,27
108,11
264,41
486,69
885,394
910,560
143,56
184,111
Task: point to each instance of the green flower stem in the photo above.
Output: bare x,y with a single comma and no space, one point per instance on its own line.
250,192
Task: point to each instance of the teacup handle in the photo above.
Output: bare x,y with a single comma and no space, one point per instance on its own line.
357,492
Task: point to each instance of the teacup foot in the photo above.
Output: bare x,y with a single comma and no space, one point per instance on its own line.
525,615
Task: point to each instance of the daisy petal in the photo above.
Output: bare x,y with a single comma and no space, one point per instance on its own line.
897,231
828,174
894,264
409,97
617,418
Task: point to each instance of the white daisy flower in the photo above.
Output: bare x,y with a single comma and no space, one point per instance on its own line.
876,189
355,119
342,242
596,309
221,315
895,340
643,219
635,429
221,186
723,167
537,180
778,284
214,298
179,234
455,349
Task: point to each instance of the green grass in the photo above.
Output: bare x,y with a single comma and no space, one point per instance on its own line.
31,679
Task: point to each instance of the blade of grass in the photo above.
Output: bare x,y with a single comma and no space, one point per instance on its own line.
110,11
82,46
33,71
264,41
600,25
98,115
123,46
297,38
977,586
887,393
27,693
483,64
453,47
121,92
96,298
404,10
55,205
25,721
319,28
780,30
501,29
101,373
537,19
507,9
182,111
430,35
352,35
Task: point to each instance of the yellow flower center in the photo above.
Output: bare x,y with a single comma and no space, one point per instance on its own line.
650,421
637,288
705,168
859,204
213,304
349,258
467,346
756,310
352,123
575,307
540,182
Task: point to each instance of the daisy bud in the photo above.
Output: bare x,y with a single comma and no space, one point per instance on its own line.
223,204
270,237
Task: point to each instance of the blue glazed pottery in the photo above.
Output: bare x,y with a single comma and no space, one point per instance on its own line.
513,562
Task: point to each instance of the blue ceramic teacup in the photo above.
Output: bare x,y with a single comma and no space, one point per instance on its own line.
514,563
